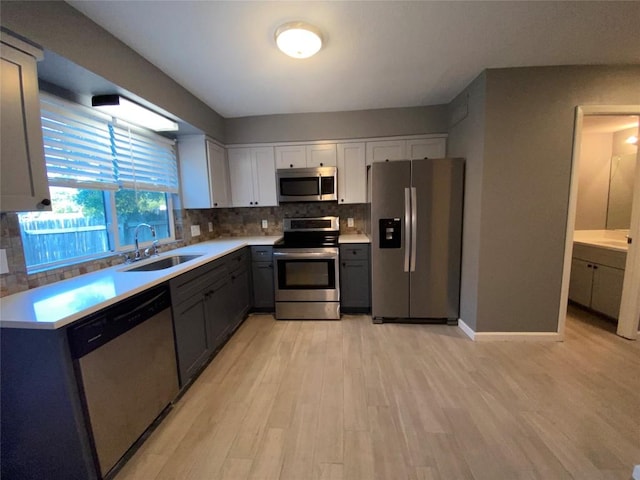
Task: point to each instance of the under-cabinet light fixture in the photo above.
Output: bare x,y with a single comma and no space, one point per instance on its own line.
298,39
125,109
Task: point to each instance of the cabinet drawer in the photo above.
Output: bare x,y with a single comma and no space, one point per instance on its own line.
354,252
194,282
238,260
261,253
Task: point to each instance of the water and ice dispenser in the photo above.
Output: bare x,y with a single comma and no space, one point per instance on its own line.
390,232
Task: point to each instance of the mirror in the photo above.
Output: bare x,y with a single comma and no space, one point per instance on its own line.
606,172
620,191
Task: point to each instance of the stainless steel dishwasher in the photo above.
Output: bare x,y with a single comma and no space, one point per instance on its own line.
126,366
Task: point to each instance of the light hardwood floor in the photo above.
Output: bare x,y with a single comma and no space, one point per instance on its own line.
352,400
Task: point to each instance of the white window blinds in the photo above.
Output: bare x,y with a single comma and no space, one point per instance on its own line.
77,146
143,162
86,149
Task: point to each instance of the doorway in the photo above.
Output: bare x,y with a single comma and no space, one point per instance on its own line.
605,219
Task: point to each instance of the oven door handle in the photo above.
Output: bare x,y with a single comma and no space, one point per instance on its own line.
307,255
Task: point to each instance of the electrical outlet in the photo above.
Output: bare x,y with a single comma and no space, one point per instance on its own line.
265,224
210,227
349,222
195,230
4,265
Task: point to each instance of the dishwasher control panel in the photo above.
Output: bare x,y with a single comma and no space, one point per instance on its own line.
111,322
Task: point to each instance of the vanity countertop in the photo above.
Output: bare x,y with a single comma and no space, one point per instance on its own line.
609,239
59,304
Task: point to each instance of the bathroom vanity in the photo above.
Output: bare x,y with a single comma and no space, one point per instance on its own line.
597,270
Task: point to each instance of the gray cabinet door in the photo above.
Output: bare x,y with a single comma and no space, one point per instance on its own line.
263,294
217,313
354,281
355,278
191,336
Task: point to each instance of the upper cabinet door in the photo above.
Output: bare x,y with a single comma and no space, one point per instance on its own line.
426,148
293,156
264,177
321,155
23,173
386,150
352,173
204,173
241,176
218,175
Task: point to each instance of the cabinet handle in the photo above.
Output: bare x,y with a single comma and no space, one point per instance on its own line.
215,204
344,264
321,164
250,203
255,203
595,267
46,202
342,199
291,165
354,252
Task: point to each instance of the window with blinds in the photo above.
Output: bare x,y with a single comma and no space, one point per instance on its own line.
105,178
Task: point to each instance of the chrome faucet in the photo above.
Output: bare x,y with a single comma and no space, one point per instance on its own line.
147,251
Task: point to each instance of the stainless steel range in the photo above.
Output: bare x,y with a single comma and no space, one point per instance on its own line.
306,269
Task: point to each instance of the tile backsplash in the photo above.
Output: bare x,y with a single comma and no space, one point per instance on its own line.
225,222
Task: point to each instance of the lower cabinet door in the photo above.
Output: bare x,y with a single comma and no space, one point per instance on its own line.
607,290
354,285
240,290
191,337
580,282
263,294
217,314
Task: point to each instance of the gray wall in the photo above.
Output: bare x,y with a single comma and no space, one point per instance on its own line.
525,186
337,125
58,27
466,139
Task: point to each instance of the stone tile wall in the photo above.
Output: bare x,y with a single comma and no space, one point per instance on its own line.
225,222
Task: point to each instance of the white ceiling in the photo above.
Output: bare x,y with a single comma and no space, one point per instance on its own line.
377,54
608,123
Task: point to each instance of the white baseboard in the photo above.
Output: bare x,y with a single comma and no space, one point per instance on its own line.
509,336
636,472
466,329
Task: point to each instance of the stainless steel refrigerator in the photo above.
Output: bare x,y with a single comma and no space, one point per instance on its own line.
416,239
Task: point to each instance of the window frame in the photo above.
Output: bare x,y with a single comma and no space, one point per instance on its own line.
172,194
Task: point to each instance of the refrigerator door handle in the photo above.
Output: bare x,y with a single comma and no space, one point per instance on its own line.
414,228
407,228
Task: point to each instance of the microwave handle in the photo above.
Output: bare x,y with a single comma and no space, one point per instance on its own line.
320,185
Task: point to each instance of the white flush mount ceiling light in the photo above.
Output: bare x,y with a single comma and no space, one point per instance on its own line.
633,140
298,39
131,112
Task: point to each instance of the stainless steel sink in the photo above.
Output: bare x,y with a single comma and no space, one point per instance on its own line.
162,263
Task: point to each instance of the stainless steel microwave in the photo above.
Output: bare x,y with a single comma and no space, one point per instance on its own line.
307,184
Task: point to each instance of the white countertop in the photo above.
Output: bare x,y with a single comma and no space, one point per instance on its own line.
608,239
354,238
61,303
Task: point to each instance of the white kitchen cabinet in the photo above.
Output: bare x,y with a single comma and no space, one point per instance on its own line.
594,284
386,150
411,149
252,176
23,173
204,173
291,156
426,148
352,173
323,155
306,156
